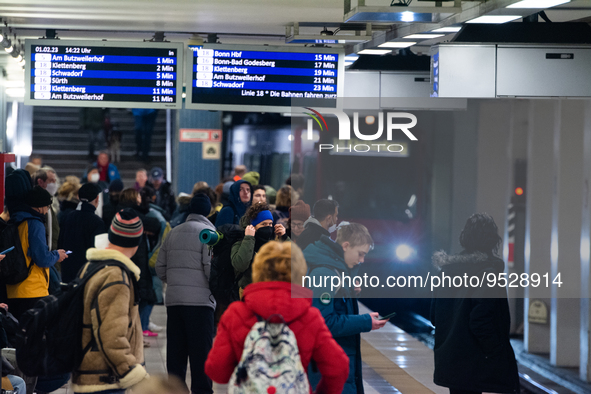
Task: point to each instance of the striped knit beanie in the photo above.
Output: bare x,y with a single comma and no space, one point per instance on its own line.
126,229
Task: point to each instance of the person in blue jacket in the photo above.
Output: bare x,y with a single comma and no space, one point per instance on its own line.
239,200
339,306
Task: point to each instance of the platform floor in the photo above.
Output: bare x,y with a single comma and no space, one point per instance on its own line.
393,361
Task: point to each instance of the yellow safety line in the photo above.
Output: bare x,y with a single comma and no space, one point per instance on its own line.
390,371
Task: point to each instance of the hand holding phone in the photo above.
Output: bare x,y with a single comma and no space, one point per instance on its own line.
387,316
8,250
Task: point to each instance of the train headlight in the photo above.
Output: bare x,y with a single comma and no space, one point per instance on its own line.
404,252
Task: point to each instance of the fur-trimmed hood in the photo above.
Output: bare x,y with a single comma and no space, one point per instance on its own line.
94,254
443,260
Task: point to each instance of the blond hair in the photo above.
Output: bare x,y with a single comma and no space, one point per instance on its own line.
280,262
354,233
68,191
283,198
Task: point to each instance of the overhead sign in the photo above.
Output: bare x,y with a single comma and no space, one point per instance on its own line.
264,78
200,135
103,74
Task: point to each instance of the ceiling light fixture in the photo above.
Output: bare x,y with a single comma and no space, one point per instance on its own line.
498,19
374,51
538,3
397,44
449,29
423,36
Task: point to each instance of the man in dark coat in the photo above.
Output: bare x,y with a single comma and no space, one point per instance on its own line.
323,222
239,199
79,229
472,350
164,195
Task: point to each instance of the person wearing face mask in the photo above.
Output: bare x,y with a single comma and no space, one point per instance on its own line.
47,179
258,227
323,222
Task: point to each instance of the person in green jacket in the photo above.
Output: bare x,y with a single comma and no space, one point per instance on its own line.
258,227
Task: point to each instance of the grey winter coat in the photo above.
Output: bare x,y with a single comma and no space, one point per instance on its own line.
184,264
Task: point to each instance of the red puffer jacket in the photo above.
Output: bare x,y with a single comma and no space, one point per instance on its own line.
315,341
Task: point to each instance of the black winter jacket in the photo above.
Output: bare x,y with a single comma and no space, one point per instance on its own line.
313,231
472,348
78,229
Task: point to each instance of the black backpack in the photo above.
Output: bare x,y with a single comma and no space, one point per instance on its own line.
49,340
223,283
14,267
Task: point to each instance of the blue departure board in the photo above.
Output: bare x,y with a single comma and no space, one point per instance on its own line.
264,78
104,74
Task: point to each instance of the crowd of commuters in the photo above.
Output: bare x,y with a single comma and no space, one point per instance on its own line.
151,254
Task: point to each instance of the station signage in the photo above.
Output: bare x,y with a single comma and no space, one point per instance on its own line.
103,74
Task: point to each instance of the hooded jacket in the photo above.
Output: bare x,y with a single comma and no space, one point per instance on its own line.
165,199
243,252
235,208
265,299
111,319
313,231
32,236
77,234
339,307
472,348
184,263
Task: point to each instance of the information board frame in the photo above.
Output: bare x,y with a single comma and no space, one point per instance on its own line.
263,48
30,44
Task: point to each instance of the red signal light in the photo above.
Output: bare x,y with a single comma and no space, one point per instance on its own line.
519,191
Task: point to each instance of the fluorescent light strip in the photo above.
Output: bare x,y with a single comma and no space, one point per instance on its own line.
449,29
538,3
423,36
495,19
373,52
397,44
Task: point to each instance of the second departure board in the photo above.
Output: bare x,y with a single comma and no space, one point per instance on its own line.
103,74
264,78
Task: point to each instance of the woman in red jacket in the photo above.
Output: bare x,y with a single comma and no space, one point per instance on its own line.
275,267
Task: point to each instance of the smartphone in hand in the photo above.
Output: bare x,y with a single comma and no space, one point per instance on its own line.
387,316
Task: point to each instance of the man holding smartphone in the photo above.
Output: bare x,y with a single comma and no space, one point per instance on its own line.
339,306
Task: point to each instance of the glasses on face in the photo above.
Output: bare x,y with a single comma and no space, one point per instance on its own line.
298,225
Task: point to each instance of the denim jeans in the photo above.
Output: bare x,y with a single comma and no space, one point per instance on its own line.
18,384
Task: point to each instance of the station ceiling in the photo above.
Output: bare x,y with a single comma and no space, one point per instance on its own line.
247,21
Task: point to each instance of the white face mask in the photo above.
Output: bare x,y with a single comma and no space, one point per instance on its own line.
94,178
332,228
52,188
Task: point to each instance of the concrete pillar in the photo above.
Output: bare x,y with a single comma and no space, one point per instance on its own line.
189,165
538,223
493,161
464,170
566,233
585,350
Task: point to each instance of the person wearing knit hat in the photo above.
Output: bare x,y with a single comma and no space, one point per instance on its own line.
299,213
252,177
38,197
126,229
30,216
257,224
200,205
78,230
184,264
112,294
89,192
